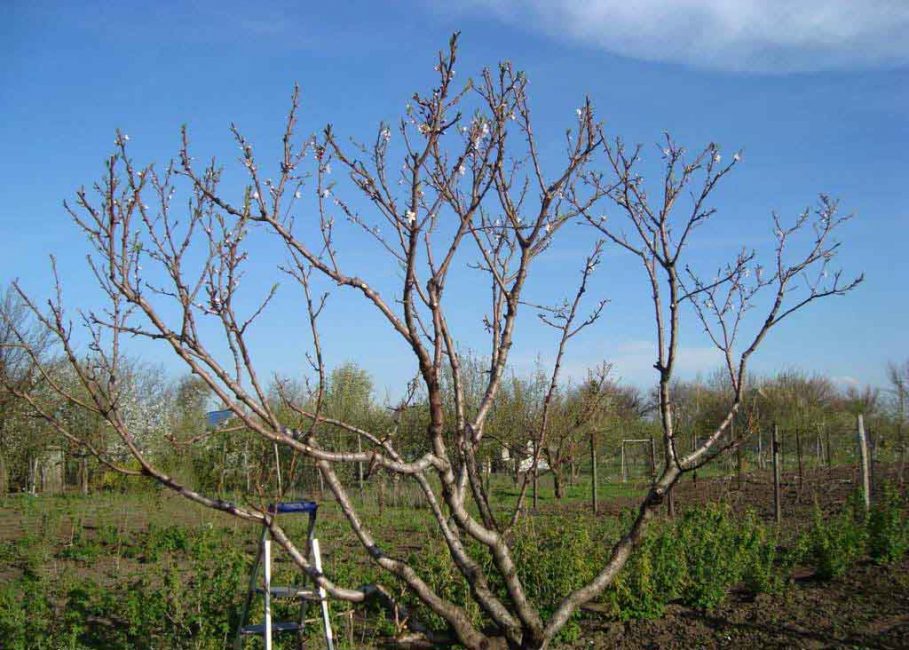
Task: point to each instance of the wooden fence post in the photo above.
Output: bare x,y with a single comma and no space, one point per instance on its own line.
798,454
624,471
760,458
536,481
653,472
360,467
775,451
863,453
593,471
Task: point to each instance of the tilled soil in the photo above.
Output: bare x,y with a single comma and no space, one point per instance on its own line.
868,608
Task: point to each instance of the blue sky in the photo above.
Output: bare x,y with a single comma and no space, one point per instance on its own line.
817,99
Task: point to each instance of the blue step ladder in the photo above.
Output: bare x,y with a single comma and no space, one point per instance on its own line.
270,592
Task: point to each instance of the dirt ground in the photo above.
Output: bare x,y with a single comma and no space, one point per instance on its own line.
868,608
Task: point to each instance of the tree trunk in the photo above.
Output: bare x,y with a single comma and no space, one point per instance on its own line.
557,483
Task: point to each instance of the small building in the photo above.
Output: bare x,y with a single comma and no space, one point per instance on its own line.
214,419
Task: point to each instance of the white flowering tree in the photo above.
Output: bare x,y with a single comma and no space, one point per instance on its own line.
459,178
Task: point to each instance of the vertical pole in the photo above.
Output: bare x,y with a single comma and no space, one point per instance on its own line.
278,468
829,448
360,466
84,471
863,452
760,448
488,477
775,451
653,472
536,476
266,558
246,466
798,453
593,472
624,473
323,597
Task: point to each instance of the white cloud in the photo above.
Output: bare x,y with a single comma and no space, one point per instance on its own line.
746,35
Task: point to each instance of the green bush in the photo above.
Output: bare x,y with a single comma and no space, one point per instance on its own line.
711,546
763,568
888,528
834,543
654,576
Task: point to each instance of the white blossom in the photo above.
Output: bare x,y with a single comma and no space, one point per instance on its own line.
737,156
462,170
297,194
255,196
579,112
411,217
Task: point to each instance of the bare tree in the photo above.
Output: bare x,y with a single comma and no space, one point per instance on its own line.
898,376
473,186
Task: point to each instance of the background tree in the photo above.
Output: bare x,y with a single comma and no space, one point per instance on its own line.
898,376
469,189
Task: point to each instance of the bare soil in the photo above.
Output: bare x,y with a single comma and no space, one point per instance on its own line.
868,608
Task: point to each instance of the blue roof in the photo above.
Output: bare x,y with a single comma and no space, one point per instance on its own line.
217,418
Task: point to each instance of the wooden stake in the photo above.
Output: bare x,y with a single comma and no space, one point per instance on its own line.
798,454
863,453
775,451
360,466
653,472
760,449
624,470
593,472
536,477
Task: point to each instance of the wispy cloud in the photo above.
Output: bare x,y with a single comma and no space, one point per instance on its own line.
743,35
633,361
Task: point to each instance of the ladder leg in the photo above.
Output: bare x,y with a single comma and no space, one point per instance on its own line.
253,576
323,597
266,559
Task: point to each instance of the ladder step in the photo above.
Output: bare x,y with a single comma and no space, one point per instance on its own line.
291,592
276,626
